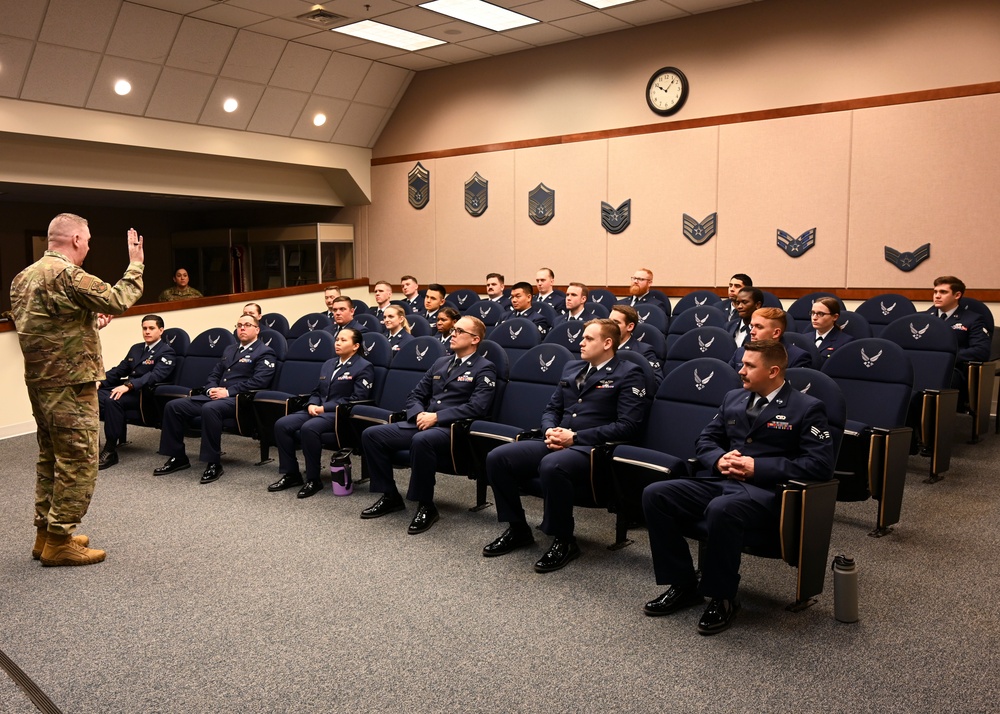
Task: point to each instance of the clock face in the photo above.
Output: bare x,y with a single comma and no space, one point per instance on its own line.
666,91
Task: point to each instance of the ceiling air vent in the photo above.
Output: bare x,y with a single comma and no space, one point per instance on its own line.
321,18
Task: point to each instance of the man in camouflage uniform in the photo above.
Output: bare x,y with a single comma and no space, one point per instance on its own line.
58,308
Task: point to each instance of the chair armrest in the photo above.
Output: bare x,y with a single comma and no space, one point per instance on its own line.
397,416
529,434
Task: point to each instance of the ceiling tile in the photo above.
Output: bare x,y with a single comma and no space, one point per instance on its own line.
382,85
278,111
201,46
371,50
141,75
359,125
334,109
549,10
645,12
365,9
285,29
496,44
706,5
181,7
253,57
60,75
542,34
452,54
247,94
342,76
414,19
415,61
22,19
179,95
144,33
274,8
300,67
83,25
330,40
593,23
456,31
14,56
229,15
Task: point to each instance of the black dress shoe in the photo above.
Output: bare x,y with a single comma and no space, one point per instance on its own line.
106,459
508,541
389,503
718,616
310,489
174,463
287,481
212,473
561,552
674,599
426,517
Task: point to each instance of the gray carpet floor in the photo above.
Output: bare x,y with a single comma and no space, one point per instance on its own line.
226,598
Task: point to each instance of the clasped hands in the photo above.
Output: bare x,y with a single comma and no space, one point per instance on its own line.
735,465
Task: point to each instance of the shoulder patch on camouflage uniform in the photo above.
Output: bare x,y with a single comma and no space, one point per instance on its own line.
90,284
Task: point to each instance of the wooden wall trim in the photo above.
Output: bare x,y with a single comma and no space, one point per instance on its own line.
927,95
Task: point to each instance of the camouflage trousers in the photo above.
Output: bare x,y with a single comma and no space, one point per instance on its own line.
67,420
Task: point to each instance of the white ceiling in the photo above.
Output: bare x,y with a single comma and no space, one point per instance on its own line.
184,57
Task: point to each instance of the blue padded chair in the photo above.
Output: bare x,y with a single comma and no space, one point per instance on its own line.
276,341
982,374
516,336
700,342
420,326
291,389
932,348
548,310
882,309
601,296
706,316
855,325
376,350
653,315
307,323
695,298
463,299
661,297
595,310
876,378
652,337
488,311
803,341
203,354
770,300
275,321
801,308
360,307
371,323
567,334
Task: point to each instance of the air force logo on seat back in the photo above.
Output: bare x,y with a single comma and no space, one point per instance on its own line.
418,184
796,247
476,195
700,233
615,220
541,204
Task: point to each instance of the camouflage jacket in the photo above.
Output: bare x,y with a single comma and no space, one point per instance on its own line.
54,305
176,293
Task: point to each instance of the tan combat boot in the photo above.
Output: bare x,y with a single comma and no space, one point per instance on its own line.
64,550
36,552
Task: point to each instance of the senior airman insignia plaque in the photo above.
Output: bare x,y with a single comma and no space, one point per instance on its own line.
795,247
476,195
907,261
700,233
541,204
418,183
616,220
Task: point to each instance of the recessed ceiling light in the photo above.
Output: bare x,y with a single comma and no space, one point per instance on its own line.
319,119
601,4
480,13
388,35
230,105
122,87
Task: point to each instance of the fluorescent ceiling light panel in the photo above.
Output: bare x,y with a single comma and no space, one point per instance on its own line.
387,35
601,4
480,13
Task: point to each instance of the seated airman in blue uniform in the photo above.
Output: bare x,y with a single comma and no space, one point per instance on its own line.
520,306
769,323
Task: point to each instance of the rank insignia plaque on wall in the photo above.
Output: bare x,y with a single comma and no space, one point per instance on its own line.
476,195
616,220
700,233
541,204
418,184
795,247
907,261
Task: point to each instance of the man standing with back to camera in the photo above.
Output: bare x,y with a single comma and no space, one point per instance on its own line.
58,307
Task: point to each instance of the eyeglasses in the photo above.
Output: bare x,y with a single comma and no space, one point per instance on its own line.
458,331
244,324
820,314
637,279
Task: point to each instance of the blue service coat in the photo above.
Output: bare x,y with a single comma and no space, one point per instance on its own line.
974,340
797,357
467,393
835,338
353,382
533,314
141,370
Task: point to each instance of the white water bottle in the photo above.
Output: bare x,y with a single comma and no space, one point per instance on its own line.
845,589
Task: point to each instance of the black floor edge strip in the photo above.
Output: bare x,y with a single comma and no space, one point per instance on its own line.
36,695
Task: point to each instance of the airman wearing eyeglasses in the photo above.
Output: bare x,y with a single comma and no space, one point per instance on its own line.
828,335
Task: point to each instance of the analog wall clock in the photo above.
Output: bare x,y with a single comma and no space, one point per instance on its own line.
666,91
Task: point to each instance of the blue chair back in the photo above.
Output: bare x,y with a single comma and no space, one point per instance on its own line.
931,345
824,388
801,308
653,315
882,309
548,310
274,321
600,296
533,379
568,334
371,323
516,336
379,353
854,324
876,378
700,342
308,323
179,340
360,307
648,373
803,341
496,354
276,341
303,361
653,337
770,300
463,299
979,307
705,316
696,298
488,311
204,353
406,369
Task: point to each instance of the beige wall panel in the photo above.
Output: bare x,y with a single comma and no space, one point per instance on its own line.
573,244
666,176
403,239
926,173
467,247
790,174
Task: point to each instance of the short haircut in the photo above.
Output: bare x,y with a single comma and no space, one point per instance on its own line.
743,278
256,322
384,282
331,287
256,306
647,270
498,276
408,277
343,298
57,226
956,285
773,352
609,330
774,314
756,294
155,318
478,327
583,289
400,312
449,312
438,288
831,304
552,276
527,287
630,313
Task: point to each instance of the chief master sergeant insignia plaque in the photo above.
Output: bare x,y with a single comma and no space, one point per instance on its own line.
418,183
476,195
541,204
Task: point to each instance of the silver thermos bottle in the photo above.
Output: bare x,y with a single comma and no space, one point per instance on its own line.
845,589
